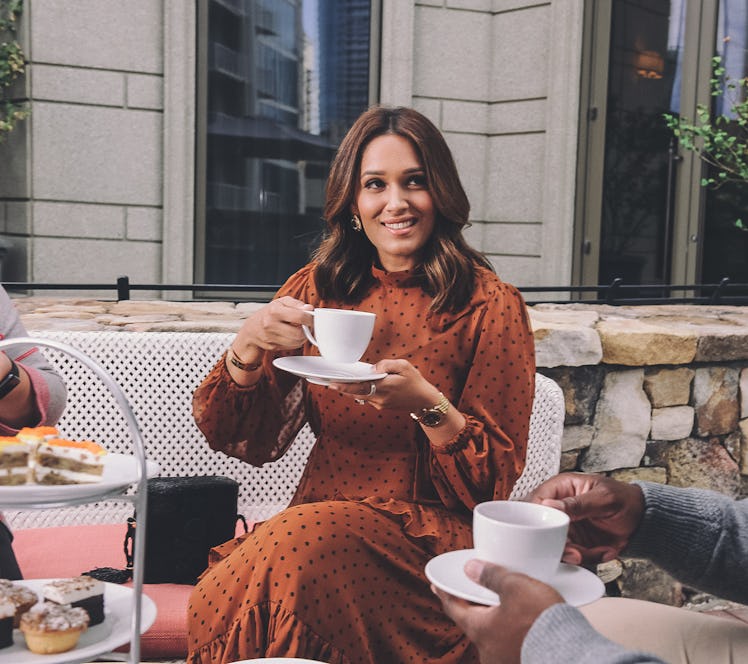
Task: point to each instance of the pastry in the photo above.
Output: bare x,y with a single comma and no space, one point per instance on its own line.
23,598
52,628
60,461
14,460
7,614
83,591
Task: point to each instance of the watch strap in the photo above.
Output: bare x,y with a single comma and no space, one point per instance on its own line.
433,416
11,380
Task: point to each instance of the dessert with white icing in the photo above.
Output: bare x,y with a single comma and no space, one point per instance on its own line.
80,591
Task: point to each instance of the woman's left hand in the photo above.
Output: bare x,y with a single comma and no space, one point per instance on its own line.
404,388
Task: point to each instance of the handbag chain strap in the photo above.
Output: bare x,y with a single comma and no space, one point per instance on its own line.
129,544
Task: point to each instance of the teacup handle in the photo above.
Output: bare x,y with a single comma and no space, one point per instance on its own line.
308,334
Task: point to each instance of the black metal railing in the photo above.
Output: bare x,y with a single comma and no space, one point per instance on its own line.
615,293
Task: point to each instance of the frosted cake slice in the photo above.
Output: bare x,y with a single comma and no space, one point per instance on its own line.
83,591
60,461
14,461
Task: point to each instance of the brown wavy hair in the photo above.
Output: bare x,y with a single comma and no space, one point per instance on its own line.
344,257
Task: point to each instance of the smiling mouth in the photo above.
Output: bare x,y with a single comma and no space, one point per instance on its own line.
399,225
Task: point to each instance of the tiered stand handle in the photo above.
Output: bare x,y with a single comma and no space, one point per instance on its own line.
141,496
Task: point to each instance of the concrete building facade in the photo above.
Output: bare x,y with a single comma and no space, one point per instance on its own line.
100,180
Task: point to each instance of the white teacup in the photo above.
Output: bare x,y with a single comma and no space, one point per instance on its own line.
523,537
340,334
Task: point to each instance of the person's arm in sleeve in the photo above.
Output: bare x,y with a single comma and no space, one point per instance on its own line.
562,634
532,624
485,459
40,397
699,536
255,414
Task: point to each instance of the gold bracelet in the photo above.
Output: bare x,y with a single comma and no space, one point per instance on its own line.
244,366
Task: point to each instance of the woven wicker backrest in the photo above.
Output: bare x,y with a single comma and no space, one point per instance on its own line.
159,371
544,443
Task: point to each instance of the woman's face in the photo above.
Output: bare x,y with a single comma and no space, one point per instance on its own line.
393,202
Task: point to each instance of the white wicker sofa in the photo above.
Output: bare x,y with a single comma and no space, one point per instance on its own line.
158,371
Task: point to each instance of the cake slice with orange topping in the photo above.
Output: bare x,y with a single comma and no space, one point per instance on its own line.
60,461
14,460
35,435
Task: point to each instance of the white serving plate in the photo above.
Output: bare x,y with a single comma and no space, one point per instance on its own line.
114,632
120,470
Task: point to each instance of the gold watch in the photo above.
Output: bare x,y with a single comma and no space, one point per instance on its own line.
433,417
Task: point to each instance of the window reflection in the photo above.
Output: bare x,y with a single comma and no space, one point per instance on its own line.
645,52
286,78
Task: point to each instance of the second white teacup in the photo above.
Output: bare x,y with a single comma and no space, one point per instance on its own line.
341,335
523,537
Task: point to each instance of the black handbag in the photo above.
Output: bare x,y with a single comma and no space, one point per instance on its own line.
187,517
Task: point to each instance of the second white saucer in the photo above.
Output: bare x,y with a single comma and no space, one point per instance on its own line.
576,585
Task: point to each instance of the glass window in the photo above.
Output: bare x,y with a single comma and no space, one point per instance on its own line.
283,81
644,70
726,245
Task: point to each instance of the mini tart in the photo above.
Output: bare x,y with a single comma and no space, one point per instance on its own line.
53,628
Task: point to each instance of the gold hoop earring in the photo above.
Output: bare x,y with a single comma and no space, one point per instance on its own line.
356,224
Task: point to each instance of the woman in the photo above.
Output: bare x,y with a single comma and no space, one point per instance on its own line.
399,463
31,394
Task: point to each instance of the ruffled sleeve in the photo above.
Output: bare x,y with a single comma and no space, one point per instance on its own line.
256,424
486,458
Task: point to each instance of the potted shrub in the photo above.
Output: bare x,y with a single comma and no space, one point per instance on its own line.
720,140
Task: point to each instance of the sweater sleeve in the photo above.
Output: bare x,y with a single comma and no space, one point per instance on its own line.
49,389
562,634
699,536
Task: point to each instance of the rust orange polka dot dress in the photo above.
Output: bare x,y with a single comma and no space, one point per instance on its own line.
339,575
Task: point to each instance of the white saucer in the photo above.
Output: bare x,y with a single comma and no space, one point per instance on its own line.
320,371
575,584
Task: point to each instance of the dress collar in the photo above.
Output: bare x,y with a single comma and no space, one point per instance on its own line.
401,279
440,321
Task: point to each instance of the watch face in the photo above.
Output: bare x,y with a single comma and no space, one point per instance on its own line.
431,418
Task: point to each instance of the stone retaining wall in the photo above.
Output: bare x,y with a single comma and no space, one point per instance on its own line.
657,393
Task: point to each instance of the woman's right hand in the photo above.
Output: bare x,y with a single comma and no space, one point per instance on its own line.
275,326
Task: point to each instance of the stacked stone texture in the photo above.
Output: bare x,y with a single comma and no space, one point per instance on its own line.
657,393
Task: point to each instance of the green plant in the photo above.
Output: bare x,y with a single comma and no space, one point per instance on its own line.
12,66
720,140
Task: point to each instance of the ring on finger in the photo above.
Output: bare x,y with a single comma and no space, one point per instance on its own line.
372,390
360,402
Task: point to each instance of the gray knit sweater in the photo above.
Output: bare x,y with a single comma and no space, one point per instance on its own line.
701,537
49,389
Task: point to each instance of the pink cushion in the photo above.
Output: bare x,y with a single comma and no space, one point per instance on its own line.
68,551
